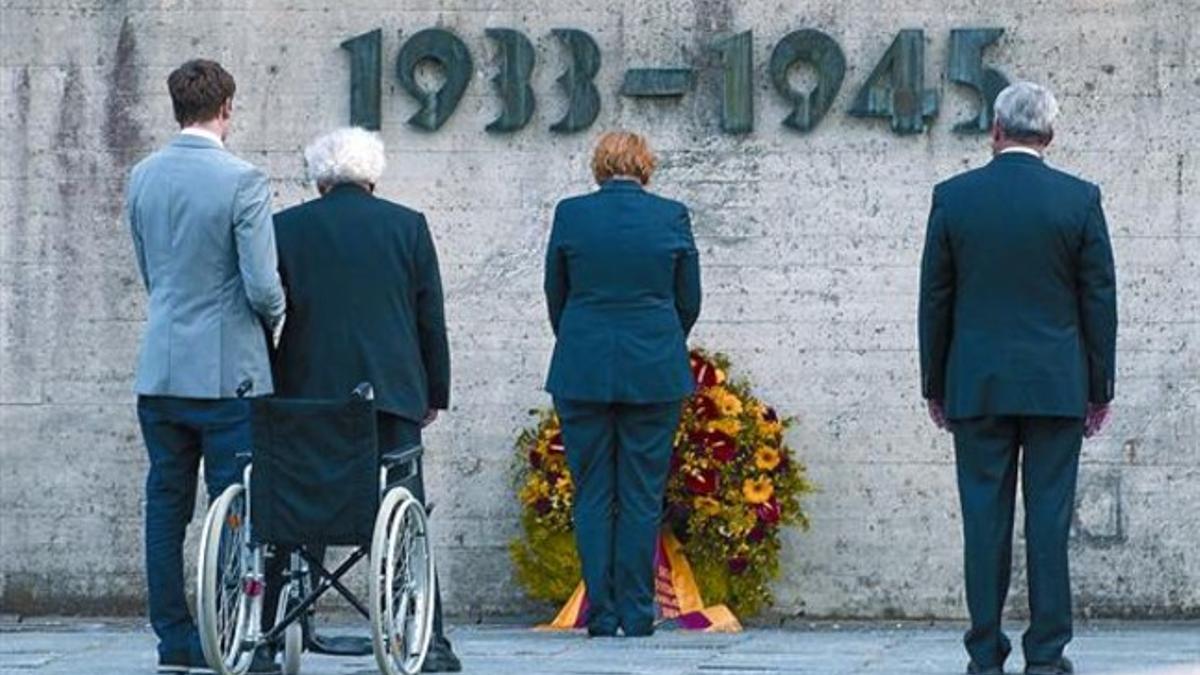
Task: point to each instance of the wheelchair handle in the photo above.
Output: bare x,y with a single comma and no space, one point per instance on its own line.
364,392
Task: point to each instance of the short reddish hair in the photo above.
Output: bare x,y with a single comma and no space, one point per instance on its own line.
623,153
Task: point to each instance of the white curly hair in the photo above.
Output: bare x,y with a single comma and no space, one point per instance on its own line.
1026,109
346,155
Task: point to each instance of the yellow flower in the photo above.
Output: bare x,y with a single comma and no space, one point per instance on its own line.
758,490
728,425
770,429
766,458
720,376
726,401
534,490
563,485
707,505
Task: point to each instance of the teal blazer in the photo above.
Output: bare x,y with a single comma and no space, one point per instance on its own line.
201,224
1018,311
623,291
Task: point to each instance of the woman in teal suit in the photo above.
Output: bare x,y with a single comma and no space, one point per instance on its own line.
623,290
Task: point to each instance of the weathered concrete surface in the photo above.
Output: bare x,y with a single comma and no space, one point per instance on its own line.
810,246
857,649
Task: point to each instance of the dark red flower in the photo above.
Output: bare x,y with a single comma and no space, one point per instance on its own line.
757,534
535,459
718,444
703,483
785,461
738,565
556,444
770,415
704,409
542,506
769,511
722,449
703,370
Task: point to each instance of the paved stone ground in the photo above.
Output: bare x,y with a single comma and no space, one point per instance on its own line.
110,648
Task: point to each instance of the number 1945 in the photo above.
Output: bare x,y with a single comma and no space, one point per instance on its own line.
895,88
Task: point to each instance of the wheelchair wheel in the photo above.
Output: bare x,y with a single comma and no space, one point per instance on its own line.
402,587
293,636
229,588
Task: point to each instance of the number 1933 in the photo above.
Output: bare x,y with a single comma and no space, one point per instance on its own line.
895,88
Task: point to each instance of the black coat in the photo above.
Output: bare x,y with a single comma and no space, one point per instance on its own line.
364,303
1018,308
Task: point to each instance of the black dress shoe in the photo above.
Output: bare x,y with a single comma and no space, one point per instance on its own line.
973,669
264,662
601,632
340,645
441,658
174,665
1061,667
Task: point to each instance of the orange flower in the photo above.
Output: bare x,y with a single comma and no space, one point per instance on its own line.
766,458
758,490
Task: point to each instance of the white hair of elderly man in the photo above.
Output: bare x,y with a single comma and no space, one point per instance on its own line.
1026,111
346,155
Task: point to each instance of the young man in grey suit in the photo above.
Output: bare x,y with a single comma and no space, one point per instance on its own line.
1018,325
205,245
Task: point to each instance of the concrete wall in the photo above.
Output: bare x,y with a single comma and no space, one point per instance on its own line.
810,245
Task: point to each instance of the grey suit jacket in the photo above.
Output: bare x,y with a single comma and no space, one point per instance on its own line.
205,244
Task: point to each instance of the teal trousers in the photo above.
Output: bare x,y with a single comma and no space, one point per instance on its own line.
988,451
619,455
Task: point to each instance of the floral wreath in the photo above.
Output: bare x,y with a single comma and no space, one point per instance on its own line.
734,484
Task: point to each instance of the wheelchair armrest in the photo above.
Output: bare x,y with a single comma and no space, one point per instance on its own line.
402,456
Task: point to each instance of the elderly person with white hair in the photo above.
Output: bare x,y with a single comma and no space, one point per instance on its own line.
1018,324
365,300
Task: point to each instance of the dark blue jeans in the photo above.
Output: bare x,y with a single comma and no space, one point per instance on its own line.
179,432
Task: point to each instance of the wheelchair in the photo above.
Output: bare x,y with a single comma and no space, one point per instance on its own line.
315,478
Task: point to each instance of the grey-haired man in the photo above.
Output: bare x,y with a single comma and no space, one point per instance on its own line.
1018,324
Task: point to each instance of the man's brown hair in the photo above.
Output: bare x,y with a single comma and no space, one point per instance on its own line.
198,90
621,153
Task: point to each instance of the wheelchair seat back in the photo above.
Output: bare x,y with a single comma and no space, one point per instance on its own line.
316,471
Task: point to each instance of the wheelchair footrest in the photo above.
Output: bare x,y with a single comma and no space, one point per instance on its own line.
340,645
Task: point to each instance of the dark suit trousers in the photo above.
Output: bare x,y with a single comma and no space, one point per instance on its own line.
988,450
179,432
619,455
393,432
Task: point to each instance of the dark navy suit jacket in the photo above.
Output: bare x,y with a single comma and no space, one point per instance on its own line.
364,299
1018,312
623,290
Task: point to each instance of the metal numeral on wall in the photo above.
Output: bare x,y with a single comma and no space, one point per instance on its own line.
896,87
737,89
366,71
966,68
583,101
447,50
512,82
824,54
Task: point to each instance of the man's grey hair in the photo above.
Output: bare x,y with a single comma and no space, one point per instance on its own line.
347,155
1025,110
